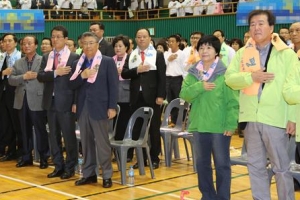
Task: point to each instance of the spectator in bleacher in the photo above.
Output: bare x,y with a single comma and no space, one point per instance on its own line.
92,5
151,4
50,4
198,7
46,45
5,4
104,46
180,8
173,8
64,5
226,53
188,9
71,45
25,4
284,32
134,5
236,43
76,5
209,6
84,14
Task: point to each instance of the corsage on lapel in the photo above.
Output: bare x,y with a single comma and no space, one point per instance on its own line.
133,59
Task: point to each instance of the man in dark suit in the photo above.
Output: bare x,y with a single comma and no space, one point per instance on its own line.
96,79
10,130
28,102
147,70
104,46
58,100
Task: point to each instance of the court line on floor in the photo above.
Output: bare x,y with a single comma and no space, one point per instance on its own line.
178,190
42,187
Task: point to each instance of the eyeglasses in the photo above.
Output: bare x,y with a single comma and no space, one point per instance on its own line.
291,31
88,43
57,37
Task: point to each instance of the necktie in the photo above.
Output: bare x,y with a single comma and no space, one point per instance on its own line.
8,63
143,56
56,60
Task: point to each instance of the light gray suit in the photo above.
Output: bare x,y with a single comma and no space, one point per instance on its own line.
28,102
34,88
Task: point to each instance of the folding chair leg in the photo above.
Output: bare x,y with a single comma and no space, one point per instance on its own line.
176,149
140,160
123,159
186,149
150,162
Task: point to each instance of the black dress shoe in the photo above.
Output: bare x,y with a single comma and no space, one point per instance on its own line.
8,157
155,165
107,183
55,173
23,163
43,164
88,180
136,165
67,174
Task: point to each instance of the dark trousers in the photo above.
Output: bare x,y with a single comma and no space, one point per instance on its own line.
173,87
38,120
123,119
154,133
62,124
10,129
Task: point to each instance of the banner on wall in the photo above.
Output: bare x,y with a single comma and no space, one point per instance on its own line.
286,11
22,21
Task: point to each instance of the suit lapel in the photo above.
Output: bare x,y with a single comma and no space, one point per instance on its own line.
36,64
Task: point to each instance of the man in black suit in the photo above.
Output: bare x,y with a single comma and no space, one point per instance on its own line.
147,70
104,46
10,129
96,79
58,100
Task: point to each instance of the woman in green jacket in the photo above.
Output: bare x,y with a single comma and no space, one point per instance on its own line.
213,118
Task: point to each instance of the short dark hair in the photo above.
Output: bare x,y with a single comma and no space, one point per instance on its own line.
46,38
36,42
236,40
177,38
269,14
101,26
62,29
222,32
210,40
122,38
283,28
143,29
74,43
163,44
12,34
197,33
